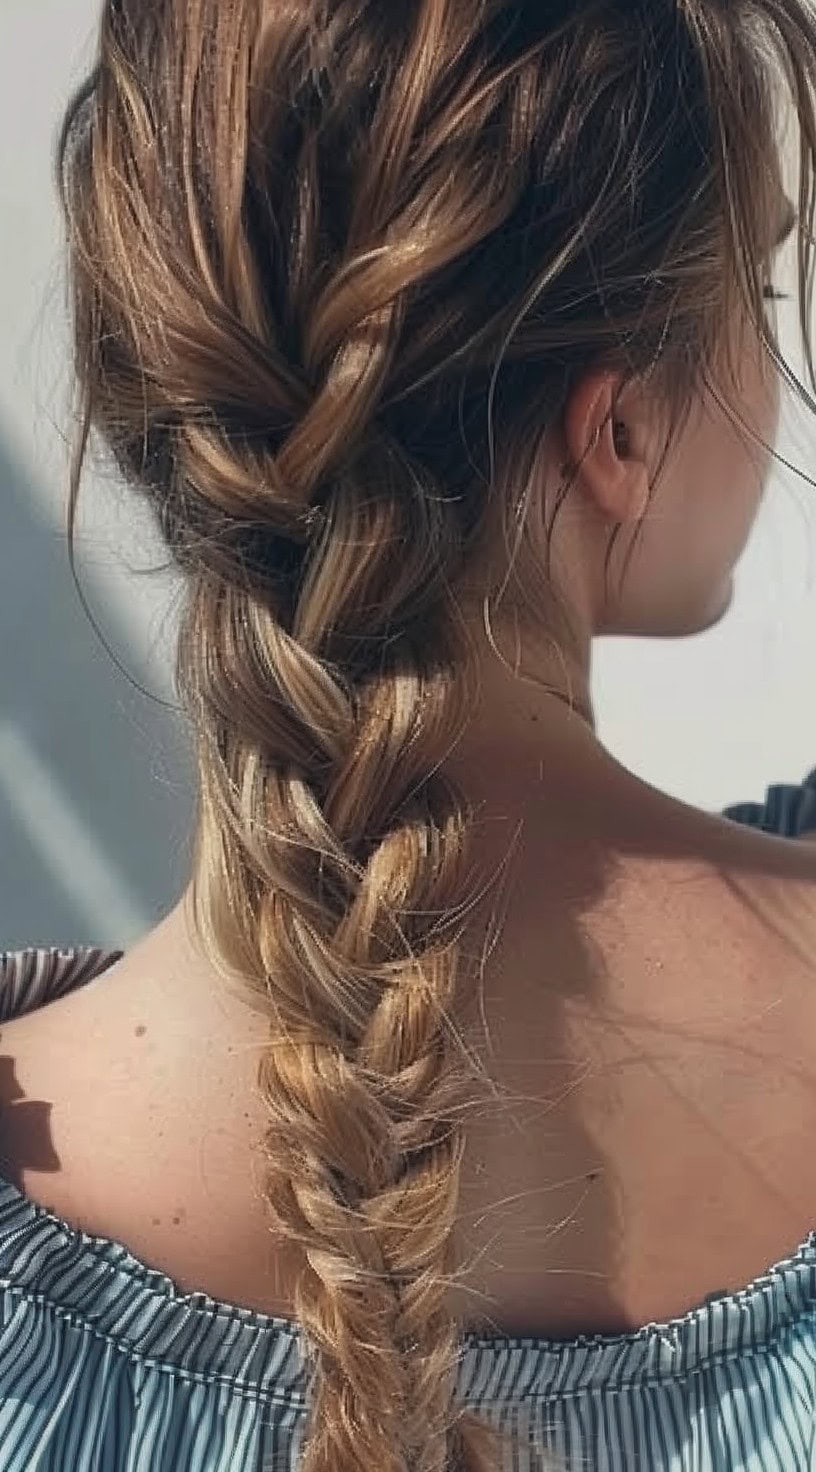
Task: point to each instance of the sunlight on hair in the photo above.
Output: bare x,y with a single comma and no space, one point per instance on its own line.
334,268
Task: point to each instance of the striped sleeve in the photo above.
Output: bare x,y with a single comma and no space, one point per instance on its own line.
789,809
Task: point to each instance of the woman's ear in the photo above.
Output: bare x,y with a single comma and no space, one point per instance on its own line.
605,448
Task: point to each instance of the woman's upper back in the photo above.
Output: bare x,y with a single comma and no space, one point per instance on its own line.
653,1011
664,1046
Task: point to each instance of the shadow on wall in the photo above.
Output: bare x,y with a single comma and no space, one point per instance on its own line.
96,779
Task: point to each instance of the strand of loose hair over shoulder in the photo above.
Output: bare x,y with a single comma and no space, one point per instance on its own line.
335,265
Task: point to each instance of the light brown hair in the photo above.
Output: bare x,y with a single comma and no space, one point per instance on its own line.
335,266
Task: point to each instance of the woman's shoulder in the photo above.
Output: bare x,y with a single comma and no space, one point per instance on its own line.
129,1110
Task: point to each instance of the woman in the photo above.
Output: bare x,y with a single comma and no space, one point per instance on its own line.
439,338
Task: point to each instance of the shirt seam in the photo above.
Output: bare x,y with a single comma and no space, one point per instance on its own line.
74,1317
251,1390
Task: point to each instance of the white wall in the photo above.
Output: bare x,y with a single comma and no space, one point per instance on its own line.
95,777
96,781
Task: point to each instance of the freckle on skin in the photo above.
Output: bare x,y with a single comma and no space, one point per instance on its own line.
141,1030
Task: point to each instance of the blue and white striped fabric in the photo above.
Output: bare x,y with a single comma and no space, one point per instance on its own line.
106,1367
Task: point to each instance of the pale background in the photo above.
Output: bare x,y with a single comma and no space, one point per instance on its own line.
96,794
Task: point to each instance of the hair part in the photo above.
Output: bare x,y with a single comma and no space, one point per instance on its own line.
335,267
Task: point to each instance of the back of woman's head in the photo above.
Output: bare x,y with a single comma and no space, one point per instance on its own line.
336,265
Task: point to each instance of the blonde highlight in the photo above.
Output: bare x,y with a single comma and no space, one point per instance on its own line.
334,269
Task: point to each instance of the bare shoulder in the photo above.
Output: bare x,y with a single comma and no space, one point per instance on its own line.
661,1044
129,1108
131,1113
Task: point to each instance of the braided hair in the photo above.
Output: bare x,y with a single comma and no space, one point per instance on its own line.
334,268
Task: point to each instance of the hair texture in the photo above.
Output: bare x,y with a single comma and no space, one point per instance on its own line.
335,265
